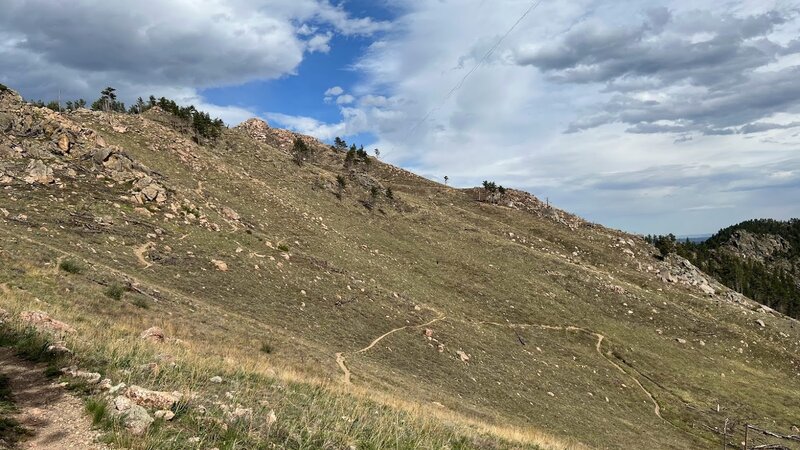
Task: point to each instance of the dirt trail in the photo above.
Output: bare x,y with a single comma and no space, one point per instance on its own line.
379,338
598,346
341,360
141,251
56,418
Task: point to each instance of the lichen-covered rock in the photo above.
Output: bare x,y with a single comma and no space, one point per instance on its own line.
134,417
152,399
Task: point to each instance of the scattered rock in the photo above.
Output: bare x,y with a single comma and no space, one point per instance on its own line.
43,322
153,334
240,413
216,379
271,417
152,399
64,143
680,340
39,172
89,377
464,357
58,348
220,265
707,289
164,414
230,214
761,322
134,417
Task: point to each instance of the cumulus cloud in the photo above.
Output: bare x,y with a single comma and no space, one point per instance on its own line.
151,46
698,71
334,91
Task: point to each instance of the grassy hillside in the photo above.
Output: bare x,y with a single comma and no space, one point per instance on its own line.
428,320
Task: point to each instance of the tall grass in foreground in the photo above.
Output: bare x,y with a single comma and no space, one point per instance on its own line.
257,406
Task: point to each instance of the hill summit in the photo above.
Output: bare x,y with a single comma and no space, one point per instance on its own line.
263,289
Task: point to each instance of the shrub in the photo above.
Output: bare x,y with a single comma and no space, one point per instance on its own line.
3,87
115,291
141,303
266,347
283,247
71,266
389,193
341,181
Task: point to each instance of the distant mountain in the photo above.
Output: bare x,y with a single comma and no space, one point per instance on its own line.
695,238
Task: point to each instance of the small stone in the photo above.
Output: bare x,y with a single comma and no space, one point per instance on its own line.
680,340
271,417
164,414
761,322
153,334
220,265
464,357
216,379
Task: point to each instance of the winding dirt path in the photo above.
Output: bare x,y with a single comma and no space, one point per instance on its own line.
379,338
341,361
598,346
57,419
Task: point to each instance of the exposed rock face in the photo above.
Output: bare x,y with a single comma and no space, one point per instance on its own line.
275,137
39,172
761,247
676,269
255,128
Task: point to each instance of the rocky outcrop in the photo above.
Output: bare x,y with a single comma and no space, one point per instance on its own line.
39,173
678,270
760,247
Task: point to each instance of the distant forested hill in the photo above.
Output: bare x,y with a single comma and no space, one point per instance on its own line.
759,258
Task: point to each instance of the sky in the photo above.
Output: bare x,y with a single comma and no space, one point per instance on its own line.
649,116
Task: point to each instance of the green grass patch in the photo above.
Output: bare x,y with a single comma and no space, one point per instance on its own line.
266,347
97,409
115,291
71,266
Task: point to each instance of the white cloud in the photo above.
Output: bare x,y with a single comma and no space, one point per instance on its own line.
345,99
320,43
334,91
161,46
511,118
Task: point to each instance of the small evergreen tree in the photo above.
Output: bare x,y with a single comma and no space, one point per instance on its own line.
300,152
